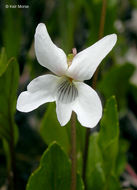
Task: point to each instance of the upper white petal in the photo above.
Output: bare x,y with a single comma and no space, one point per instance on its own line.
63,112
88,106
47,53
86,62
39,91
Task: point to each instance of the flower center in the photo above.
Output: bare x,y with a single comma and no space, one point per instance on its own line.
67,91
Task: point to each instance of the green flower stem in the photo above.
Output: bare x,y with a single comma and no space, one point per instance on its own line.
73,151
94,82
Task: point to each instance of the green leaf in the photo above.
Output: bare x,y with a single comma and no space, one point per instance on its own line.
122,158
112,183
104,154
51,130
3,61
81,134
95,177
80,138
8,90
54,172
109,135
116,82
12,31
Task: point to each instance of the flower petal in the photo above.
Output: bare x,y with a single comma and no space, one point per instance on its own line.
63,112
47,53
88,105
86,62
39,91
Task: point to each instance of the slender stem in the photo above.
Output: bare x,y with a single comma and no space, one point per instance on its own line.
73,151
94,82
101,32
102,19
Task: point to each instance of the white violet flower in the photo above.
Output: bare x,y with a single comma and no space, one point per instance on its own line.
66,87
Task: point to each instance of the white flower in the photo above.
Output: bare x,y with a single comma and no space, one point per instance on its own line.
67,87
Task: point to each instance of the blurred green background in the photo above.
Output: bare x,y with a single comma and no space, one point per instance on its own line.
70,23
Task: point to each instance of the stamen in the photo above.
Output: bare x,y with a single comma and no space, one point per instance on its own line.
67,91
